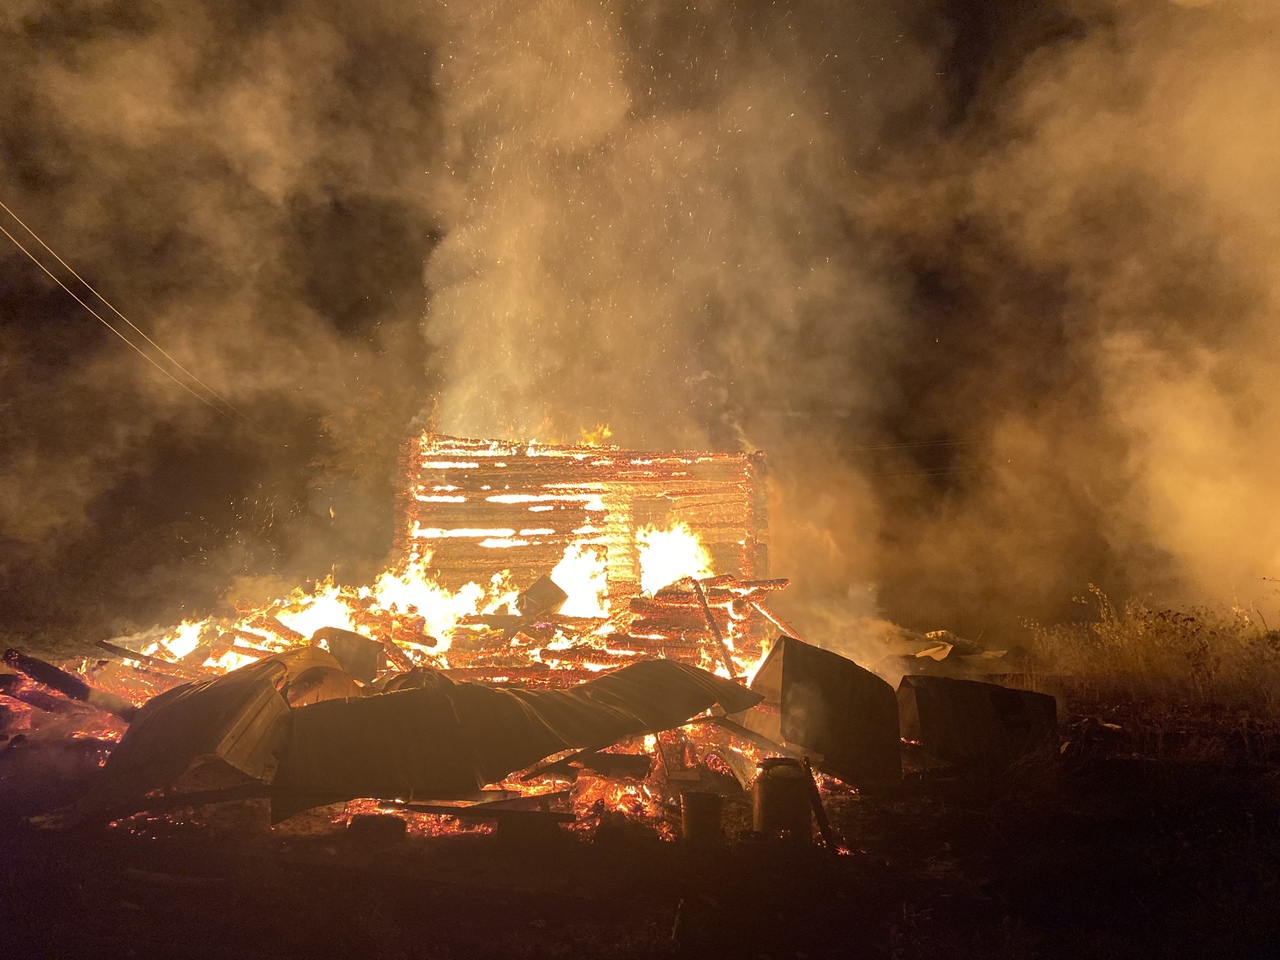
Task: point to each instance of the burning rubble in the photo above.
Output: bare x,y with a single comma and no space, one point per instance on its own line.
569,633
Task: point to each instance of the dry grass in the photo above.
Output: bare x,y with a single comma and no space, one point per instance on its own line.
1197,654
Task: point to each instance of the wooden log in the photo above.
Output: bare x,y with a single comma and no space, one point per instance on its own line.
685,586
535,801
723,596
674,629
395,656
166,668
743,586
787,631
641,643
819,811
158,805
251,639
269,624
13,686
674,606
584,653
69,685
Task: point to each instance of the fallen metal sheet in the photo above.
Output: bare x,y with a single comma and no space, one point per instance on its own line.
826,704
444,739
973,723
238,717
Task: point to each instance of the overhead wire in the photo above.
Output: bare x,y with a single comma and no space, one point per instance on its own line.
917,443
235,416
234,413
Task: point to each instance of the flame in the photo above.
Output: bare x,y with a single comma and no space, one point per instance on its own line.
407,591
598,436
412,590
326,607
581,574
669,555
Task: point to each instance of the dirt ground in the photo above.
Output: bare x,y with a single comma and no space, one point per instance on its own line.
1101,853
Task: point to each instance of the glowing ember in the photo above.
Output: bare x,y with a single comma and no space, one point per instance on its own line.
670,555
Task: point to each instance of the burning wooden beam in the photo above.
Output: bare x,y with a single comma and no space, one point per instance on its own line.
69,685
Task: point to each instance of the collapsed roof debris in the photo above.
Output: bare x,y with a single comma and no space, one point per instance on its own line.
827,705
444,739
429,738
971,723
642,573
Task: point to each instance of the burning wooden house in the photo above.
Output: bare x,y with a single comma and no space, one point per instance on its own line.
483,505
551,575
625,534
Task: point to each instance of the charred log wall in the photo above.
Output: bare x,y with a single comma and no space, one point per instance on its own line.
480,506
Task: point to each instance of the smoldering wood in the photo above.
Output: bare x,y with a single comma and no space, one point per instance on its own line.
47,674
170,802
719,589
725,656
269,624
71,686
685,613
754,737
685,585
642,643
397,657
819,811
666,629
787,630
13,686
585,653
166,668
701,778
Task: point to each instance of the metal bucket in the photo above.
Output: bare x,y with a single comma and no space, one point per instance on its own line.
781,802
700,817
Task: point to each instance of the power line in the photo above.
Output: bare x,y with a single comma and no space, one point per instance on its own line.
105,323
946,471
213,393
113,309
917,443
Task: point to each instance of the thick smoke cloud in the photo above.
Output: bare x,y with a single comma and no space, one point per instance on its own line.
721,223
994,284
247,181
1111,210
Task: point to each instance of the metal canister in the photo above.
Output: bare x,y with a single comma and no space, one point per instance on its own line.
700,817
780,799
